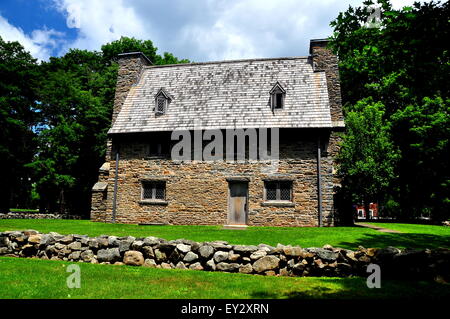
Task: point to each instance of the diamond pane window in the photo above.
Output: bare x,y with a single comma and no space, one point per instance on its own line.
160,105
271,191
281,191
154,190
159,191
277,95
285,190
146,191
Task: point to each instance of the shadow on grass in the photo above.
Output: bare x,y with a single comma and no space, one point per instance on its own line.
403,240
356,288
318,291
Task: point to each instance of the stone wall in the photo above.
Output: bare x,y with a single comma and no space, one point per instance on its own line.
37,216
130,70
197,192
427,264
325,60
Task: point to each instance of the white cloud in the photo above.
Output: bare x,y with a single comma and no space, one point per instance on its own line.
256,28
99,22
200,30
260,28
204,29
40,43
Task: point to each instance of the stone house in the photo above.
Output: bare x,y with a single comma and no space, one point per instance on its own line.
141,183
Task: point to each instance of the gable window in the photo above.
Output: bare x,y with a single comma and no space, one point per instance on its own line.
162,99
153,190
277,95
161,105
278,191
277,101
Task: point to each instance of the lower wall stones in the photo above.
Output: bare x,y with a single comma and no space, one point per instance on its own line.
37,216
411,264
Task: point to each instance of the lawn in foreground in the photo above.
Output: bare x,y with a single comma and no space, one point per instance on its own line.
415,228
34,278
344,237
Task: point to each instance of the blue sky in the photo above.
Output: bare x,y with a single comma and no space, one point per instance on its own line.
200,30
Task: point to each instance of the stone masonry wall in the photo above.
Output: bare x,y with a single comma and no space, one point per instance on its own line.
427,264
130,70
197,192
324,60
37,216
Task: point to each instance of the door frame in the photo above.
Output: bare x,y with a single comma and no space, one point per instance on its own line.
237,181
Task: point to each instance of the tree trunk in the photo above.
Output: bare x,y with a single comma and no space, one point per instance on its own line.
367,207
62,204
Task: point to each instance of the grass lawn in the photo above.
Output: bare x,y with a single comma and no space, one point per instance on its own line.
415,236
416,228
34,278
24,210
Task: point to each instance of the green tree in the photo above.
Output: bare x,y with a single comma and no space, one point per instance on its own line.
423,131
76,108
367,157
125,44
399,63
76,97
404,65
18,77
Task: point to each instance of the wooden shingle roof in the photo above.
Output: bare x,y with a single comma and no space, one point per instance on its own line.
227,94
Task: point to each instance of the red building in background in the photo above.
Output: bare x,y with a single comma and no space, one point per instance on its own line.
371,214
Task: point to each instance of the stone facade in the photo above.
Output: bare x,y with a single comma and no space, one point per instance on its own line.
197,192
324,60
131,66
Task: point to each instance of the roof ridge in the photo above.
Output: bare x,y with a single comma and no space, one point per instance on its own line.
226,61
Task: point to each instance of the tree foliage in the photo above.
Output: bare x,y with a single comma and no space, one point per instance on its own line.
18,77
368,155
403,64
76,102
55,116
124,44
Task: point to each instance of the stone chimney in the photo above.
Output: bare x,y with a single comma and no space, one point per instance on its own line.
323,59
130,70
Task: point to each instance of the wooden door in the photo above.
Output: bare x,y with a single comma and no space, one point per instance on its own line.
237,203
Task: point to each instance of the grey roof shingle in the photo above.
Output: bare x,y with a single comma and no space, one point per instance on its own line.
227,94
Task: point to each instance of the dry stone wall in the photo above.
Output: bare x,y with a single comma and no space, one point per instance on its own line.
37,216
153,252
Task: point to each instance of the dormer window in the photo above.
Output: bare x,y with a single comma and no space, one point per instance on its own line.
277,95
162,100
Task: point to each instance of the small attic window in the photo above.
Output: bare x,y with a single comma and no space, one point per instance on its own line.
277,100
277,95
160,107
161,102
